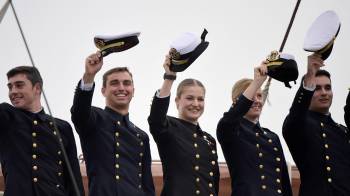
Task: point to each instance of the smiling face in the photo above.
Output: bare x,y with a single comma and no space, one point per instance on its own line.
190,103
118,91
23,94
323,95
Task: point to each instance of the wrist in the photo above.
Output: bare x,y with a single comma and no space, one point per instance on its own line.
167,76
88,78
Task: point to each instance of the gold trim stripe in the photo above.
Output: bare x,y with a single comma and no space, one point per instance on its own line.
117,44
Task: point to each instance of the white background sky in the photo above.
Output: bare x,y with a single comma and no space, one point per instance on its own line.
241,34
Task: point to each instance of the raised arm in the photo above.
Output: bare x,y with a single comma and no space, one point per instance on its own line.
160,103
242,104
81,109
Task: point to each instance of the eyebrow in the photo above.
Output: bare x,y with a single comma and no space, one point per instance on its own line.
16,82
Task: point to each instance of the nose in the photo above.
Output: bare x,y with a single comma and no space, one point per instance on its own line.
195,102
323,91
121,87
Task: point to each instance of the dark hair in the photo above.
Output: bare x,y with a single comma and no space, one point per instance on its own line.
322,72
114,70
32,73
188,82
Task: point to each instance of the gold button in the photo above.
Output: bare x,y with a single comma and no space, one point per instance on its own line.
195,145
261,166
198,192
196,167
197,179
51,123
197,156
263,187
275,149
260,154
118,144
54,133
195,135
35,145
141,143
117,134
59,174
329,180
211,173
35,167
324,135
140,175
270,140
141,154
278,159
118,122
140,164
57,185
59,152
328,168
262,177
35,122
210,185
278,180
117,166
256,134
34,156
117,177
326,146
35,179
279,191
205,137
60,162
140,186
211,195
278,169
34,134
265,132
117,156
257,145
138,135
322,124
213,151
327,157
213,162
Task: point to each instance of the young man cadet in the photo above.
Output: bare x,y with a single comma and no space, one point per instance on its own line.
320,147
116,152
31,160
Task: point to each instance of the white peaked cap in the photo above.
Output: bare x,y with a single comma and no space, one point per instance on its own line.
186,43
119,36
322,31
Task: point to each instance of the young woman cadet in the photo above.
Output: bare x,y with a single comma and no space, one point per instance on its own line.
188,154
253,154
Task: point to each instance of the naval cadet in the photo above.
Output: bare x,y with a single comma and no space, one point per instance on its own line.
31,159
253,154
188,153
116,152
320,147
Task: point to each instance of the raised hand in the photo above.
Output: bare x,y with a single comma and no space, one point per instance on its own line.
93,64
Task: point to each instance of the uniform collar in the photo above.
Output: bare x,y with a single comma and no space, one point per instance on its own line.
250,124
191,126
41,115
117,116
322,117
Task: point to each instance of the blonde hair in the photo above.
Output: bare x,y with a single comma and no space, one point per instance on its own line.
238,88
188,82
